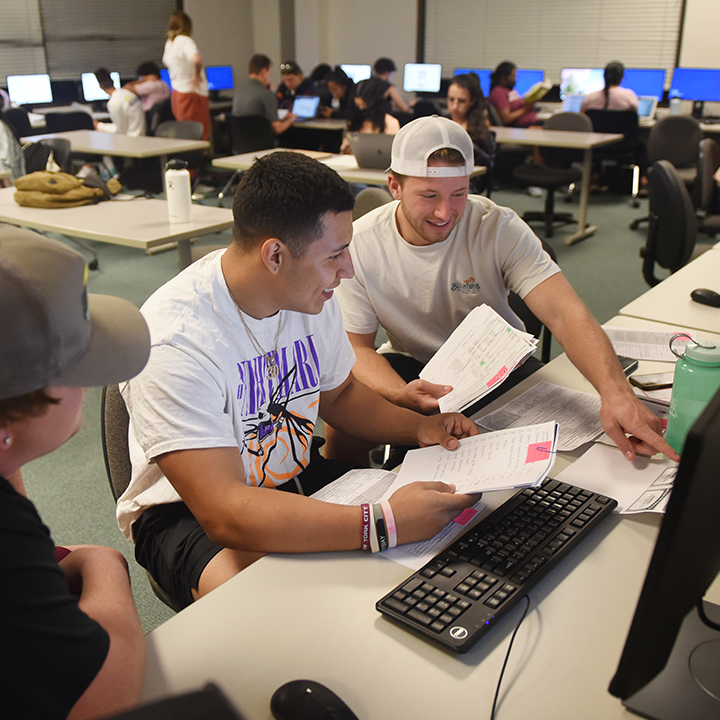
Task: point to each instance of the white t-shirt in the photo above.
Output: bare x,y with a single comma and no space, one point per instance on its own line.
126,113
178,59
205,385
421,294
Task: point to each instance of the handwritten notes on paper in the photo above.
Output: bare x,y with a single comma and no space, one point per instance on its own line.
477,357
519,457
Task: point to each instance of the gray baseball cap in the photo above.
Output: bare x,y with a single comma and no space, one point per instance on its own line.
419,139
52,331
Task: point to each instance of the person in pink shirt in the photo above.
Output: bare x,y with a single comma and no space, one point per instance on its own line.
513,109
149,87
612,96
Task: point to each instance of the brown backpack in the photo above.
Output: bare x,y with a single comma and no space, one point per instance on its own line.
61,190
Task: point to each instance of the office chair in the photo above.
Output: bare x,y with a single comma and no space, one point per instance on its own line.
628,152
675,138
114,423
557,170
64,121
19,122
368,199
247,133
672,230
707,191
157,114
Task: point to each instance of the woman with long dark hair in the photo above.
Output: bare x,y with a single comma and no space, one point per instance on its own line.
467,106
512,109
612,96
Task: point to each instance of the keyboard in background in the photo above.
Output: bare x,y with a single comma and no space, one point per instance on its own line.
460,595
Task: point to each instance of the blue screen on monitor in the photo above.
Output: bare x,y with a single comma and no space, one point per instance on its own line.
581,80
220,77
525,79
696,84
165,76
645,82
482,73
29,89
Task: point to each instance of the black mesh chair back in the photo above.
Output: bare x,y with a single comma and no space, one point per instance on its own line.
18,121
249,133
64,121
672,228
615,121
159,113
708,163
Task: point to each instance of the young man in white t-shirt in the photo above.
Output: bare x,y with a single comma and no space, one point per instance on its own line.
124,106
423,262
248,350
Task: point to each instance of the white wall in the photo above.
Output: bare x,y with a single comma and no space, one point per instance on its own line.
700,34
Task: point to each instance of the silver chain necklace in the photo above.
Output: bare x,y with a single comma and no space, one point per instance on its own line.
272,367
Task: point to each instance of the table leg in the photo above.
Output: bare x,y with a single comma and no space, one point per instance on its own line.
184,253
583,230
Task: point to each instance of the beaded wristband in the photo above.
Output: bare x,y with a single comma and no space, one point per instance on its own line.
389,524
365,526
380,527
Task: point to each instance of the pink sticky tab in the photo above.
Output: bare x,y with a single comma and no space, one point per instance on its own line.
500,375
465,516
538,451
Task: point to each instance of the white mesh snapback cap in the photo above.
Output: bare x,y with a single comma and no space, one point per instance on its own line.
420,138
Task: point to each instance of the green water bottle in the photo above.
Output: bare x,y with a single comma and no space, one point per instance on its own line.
696,380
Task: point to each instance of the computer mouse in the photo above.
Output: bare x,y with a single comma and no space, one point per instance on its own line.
308,700
706,297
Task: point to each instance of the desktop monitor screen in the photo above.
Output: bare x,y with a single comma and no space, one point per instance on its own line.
525,79
165,76
582,81
645,82
696,84
685,561
482,73
422,77
357,73
29,89
92,92
220,77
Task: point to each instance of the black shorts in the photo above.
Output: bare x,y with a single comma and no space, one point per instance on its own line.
172,545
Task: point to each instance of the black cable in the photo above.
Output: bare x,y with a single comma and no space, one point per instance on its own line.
507,657
701,612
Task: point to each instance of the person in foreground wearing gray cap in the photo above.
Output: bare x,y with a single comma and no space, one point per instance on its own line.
72,641
248,349
423,262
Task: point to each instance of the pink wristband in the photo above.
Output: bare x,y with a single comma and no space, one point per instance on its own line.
365,526
389,524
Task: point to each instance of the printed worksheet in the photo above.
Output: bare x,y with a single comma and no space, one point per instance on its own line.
576,412
644,344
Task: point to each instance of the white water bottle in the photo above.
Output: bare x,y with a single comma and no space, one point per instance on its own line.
177,191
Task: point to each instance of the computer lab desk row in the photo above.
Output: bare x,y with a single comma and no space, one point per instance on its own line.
313,617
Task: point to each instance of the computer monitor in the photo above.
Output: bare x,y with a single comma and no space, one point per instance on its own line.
666,671
525,79
357,73
697,84
581,81
92,92
165,76
219,77
422,77
30,89
482,73
645,81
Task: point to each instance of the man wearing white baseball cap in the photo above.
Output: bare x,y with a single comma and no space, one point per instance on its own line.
423,262
73,644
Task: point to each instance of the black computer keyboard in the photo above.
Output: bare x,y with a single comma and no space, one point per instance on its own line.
463,591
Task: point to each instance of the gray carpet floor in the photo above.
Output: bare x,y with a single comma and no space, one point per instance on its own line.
70,486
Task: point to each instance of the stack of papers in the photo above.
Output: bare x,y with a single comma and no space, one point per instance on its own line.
644,344
482,351
515,458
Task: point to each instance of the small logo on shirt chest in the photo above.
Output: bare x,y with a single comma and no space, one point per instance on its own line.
467,287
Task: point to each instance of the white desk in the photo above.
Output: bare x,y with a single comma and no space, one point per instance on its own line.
139,223
345,165
670,300
313,616
563,139
95,142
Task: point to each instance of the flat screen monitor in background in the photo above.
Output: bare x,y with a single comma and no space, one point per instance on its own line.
697,84
165,76
30,89
666,671
92,92
357,73
645,81
581,81
422,77
482,73
525,79
219,77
